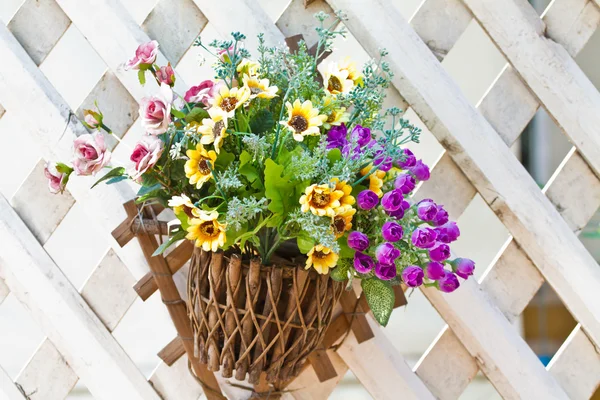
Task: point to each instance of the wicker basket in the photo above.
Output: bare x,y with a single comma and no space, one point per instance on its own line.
252,318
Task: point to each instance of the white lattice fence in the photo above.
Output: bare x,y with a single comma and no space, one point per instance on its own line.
539,71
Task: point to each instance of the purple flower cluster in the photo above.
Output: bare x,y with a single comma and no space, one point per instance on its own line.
337,138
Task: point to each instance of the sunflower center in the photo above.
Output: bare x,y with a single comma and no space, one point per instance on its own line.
321,199
228,103
255,90
208,228
299,123
339,224
219,125
203,167
188,211
319,254
334,84
331,117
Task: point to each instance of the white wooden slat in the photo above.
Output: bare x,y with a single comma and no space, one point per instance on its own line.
547,68
8,390
64,316
4,291
571,23
109,290
380,368
296,19
486,160
47,376
576,365
175,382
306,386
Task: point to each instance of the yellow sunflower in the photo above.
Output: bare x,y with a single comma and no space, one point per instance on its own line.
353,74
303,119
230,100
198,167
347,198
336,116
259,87
214,129
248,67
321,259
342,220
183,204
206,231
321,200
336,80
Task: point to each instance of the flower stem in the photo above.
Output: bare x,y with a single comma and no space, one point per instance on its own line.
274,150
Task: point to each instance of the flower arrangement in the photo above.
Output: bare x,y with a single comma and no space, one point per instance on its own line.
263,153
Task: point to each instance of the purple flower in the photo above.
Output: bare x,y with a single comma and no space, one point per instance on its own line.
441,252
399,213
449,283
435,271
407,160
463,267
367,199
336,137
384,163
358,241
441,217
386,253
392,200
412,276
420,170
363,263
424,237
405,183
391,231
427,210
361,135
448,232
385,272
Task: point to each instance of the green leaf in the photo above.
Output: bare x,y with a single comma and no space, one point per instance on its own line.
117,171
148,179
278,189
345,250
159,194
196,115
177,114
147,189
262,121
178,236
380,297
340,273
116,179
334,155
245,158
142,76
223,160
305,242
63,168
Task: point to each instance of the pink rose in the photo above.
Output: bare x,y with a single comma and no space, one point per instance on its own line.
156,111
145,54
90,119
91,154
145,155
203,93
223,54
166,75
57,180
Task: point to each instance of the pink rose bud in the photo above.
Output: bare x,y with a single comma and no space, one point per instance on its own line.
145,155
58,175
91,154
144,55
166,75
92,119
156,111
202,93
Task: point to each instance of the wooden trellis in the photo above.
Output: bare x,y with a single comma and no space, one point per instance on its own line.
540,71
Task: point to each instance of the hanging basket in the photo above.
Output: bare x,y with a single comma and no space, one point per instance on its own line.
253,318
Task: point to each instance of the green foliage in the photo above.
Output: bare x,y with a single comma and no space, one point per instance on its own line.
117,171
278,188
380,297
196,115
180,235
340,273
262,121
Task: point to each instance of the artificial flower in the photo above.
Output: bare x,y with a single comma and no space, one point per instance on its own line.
420,170
336,116
412,276
336,137
248,67
448,232
463,267
353,73
91,154
392,200
206,231
367,199
449,283
427,210
347,198
376,182
155,111
392,231
336,80
386,253
423,237
230,100
58,176
202,93
303,119
183,204
259,87
385,272
441,252
214,129
166,75
358,241
145,55
407,160
321,259
321,200
145,155
363,263
342,220
405,182
92,119
435,270
199,167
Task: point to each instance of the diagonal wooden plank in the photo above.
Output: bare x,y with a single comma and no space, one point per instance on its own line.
64,316
564,90
4,291
8,390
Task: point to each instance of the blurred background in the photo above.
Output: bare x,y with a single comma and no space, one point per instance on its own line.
73,67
